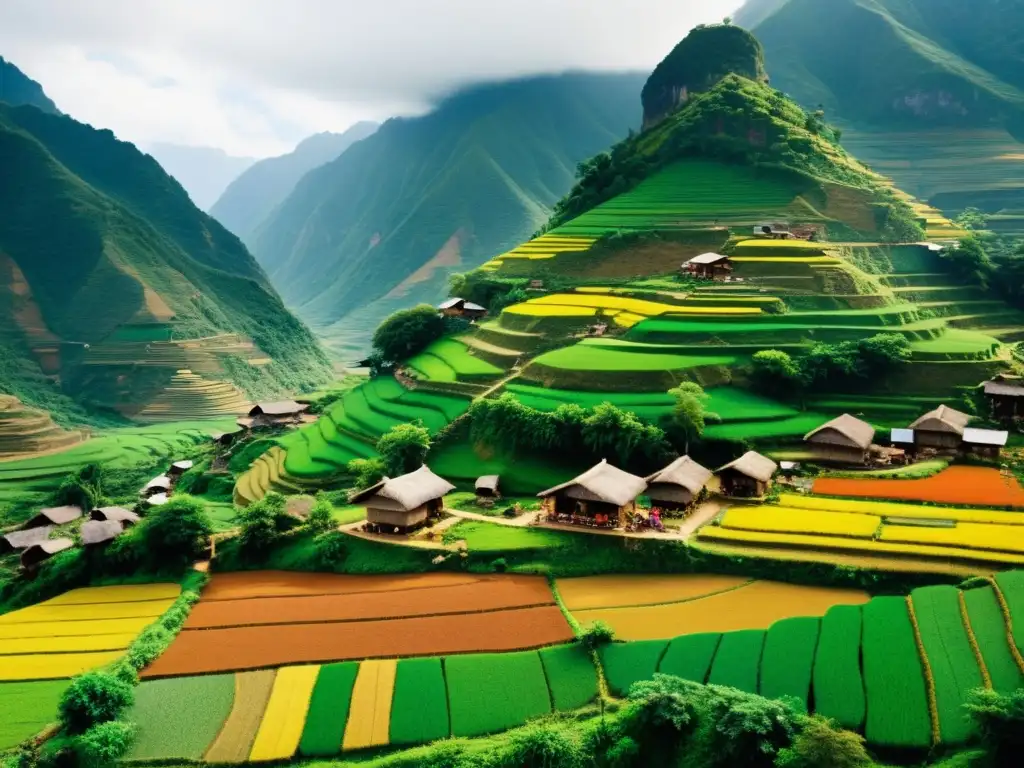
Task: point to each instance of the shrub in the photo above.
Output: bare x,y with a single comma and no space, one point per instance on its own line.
820,745
94,698
542,746
596,635
259,529
404,448
775,372
331,551
321,516
175,534
408,332
366,472
1000,722
81,489
104,744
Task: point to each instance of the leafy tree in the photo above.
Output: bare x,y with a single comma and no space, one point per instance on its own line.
829,364
689,413
969,261
610,431
749,730
972,219
175,534
408,332
596,635
93,698
776,373
81,489
662,717
1000,722
366,472
104,744
403,448
540,746
882,352
321,516
820,745
262,524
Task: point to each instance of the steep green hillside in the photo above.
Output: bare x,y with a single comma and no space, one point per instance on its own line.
254,195
107,270
930,92
422,197
18,89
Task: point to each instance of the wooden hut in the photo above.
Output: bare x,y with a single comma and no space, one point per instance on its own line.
677,485
161,484
602,492
984,443
1005,395
487,487
118,514
18,540
750,475
941,428
405,502
777,231
845,440
709,266
279,413
179,468
461,308
53,516
97,532
32,556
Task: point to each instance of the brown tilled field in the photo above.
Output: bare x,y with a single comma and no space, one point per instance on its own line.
260,620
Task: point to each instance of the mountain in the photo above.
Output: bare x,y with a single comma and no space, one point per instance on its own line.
929,91
17,89
756,11
254,195
204,172
423,197
112,282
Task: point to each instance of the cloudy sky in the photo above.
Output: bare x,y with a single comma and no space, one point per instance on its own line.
254,77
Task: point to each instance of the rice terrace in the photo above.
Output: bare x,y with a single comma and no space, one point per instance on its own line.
522,432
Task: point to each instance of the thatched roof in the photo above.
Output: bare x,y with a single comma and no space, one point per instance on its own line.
942,419
279,408
986,437
182,466
100,531
54,516
753,465
158,499
602,482
685,472
1004,385
45,549
451,303
115,513
487,483
158,483
405,492
855,430
708,258
25,539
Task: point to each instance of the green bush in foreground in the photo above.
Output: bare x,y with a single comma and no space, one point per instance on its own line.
104,744
94,698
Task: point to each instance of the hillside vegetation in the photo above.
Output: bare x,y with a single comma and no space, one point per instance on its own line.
18,89
383,225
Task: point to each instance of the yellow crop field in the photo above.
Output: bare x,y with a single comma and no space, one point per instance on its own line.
755,606
26,630
1000,538
766,243
91,612
549,310
285,716
758,538
627,319
897,509
631,590
816,260
70,644
816,521
369,717
593,289
132,593
52,666
636,306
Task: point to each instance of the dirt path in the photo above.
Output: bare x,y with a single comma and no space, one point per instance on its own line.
703,514
353,529
514,374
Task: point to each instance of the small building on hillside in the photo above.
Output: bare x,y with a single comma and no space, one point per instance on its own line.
97,532
461,308
750,475
1005,395
845,440
158,499
116,514
941,428
488,487
776,231
678,485
277,414
159,484
225,439
18,540
32,556
709,266
179,468
405,502
984,443
53,516
602,494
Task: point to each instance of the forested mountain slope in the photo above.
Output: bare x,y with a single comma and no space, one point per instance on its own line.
17,89
422,197
254,195
106,267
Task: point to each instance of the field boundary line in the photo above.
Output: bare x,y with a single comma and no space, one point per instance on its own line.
973,640
929,678
724,591
1008,621
477,579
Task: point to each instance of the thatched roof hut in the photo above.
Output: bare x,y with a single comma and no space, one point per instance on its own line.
180,467
678,484
941,428
54,516
44,550
97,532
159,484
404,502
15,540
487,485
749,475
280,408
844,439
602,490
119,514
1005,393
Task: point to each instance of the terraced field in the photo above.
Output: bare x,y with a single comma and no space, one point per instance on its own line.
193,397
25,430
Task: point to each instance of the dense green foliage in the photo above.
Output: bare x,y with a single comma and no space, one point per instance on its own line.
1000,721
18,89
407,333
93,698
403,448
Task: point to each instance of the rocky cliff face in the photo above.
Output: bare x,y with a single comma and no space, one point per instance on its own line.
701,60
18,89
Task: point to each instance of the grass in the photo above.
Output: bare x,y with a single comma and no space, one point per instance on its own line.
738,659
897,703
572,678
585,357
838,684
520,474
179,717
989,627
732,404
690,656
328,710
484,537
432,368
419,704
628,663
1011,584
456,356
491,692
788,659
27,708
953,664
794,426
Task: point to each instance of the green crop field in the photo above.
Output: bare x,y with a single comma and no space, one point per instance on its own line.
628,663
587,357
690,656
647,405
954,666
738,659
491,692
520,475
788,658
1011,584
571,676
791,427
419,704
897,709
179,717
432,368
328,710
989,628
838,684
489,537
27,708
455,362
733,404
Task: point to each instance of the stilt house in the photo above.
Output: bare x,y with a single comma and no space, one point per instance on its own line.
405,502
941,428
603,490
